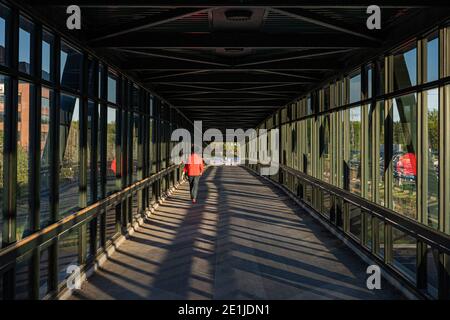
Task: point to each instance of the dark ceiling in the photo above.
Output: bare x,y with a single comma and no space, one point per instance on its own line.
231,63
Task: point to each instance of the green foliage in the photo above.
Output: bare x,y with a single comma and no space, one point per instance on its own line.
433,130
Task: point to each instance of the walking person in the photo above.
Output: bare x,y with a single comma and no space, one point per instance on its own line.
194,169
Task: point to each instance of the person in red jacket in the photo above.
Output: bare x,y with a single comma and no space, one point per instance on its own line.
194,169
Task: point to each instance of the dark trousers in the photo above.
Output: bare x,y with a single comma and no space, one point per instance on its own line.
193,185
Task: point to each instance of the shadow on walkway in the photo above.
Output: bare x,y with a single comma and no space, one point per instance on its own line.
244,239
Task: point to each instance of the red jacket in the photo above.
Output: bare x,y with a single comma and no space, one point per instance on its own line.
194,167
406,164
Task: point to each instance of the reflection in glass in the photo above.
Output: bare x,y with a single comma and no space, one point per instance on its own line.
369,82
4,88
71,61
370,147
381,155
91,78
368,230
25,38
308,106
432,263
111,222
355,221
308,145
91,140
22,280
379,76
379,233
405,69
355,151
4,25
327,204
135,206
111,159
404,251
47,57
112,89
44,279
433,157
69,155
23,159
46,106
404,155
67,253
433,59
355,88
325,148
136,119
100,72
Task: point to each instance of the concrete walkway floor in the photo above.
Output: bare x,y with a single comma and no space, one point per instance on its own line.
244,239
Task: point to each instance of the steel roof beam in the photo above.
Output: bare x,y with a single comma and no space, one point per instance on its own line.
249,40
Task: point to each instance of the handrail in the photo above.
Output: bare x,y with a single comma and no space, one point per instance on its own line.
19,248
420,231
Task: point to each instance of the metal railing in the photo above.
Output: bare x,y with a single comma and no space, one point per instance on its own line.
422,263
30,247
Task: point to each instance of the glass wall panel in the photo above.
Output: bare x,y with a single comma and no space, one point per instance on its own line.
25,45
4,89
308,145
308,106
23,276
44,278
404,165
325,148
432,103
432,263
100,79
327,204
355,221
405,68
89,253
355,88
67,253
370,149
47,56
46,106
69,145
379,234
112,88
379,76
71,61
355,151
135,207
432,58
381,155
368,239
111,224
23,159
4,26
91,78
111,157
369,82
91,140
404,253
136,119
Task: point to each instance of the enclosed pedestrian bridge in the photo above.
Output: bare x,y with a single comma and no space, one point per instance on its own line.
325,127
